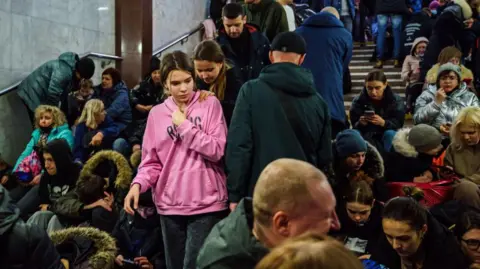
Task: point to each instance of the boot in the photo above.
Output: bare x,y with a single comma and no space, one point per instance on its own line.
397,64
379,64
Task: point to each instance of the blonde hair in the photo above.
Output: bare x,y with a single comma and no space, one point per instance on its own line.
284,186
310,251
58,117
90,111
469,116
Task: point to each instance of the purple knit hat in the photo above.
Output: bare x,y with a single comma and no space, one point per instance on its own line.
434,5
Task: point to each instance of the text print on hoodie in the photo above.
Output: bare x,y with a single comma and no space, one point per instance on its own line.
182,164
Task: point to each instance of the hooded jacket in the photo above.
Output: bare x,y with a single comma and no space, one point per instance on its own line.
260,131
328,42
182,165
360,239
428,112
231,244
440,245
117,104
447,31
54,186
338,5
404,162
258,48
60,132
465,161
49,82
373,167
269,15
23,246
234,83
411,64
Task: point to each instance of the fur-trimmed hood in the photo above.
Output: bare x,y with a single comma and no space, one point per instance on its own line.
401,145
104,244
373,165
466,9
125,174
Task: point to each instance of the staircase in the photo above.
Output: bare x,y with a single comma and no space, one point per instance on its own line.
359,68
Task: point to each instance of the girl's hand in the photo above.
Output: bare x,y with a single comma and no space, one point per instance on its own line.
205,94
132,196
178,117
36,180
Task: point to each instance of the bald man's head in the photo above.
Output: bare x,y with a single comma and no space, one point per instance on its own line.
331,10
292,197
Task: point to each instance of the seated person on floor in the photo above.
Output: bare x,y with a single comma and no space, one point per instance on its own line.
6,178
60,176
95,131
454,56
139,237
439,105
87,205
412,154
463,155
360,216
377,112
149,93
114,94
23,245
356,159
411,64
467,230
78,99
415,239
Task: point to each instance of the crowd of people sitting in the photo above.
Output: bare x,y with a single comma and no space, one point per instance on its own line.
243,156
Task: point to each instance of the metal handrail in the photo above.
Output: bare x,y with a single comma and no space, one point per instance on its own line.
181,39
88,54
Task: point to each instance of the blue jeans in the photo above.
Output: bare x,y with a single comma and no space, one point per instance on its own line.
387,139
121,146
397,34
348,22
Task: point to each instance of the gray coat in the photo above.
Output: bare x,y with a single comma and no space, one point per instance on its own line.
426,111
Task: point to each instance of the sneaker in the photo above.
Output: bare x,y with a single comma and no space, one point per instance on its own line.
397,64
379,64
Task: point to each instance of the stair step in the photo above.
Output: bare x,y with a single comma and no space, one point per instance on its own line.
362,56
392,82
364,74
396,89
370,66
368,45
363,51
350,96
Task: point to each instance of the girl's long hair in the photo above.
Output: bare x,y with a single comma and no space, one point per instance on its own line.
92,109
210,50
469,116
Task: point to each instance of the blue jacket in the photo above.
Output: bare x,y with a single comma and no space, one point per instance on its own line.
329,50
108,128
338,5
56,133
117,104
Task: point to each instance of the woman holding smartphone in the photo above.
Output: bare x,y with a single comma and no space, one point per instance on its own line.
377,112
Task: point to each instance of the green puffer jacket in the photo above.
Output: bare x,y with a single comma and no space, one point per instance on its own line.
47,84
269,16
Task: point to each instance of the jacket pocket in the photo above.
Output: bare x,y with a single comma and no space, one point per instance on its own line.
193,188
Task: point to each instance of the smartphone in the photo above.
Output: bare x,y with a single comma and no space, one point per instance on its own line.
369,113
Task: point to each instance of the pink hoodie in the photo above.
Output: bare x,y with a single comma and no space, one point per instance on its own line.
182,164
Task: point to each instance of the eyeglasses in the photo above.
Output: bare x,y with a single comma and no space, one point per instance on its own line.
472,244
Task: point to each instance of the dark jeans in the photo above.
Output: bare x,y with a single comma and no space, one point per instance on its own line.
26,198
183,237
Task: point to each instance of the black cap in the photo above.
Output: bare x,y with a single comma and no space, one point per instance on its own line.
289,42
85,67
154,64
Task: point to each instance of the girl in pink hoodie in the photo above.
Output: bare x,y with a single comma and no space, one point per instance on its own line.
183,145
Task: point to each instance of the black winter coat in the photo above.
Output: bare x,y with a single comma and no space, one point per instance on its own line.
447,31
23,246
391,7
440,245
373,167
404,163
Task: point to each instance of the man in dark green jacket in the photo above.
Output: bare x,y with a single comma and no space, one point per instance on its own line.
291,198
278,115
269,15
53,80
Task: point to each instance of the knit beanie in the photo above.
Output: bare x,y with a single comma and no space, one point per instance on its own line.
85,67
449,67
434,5
349,142
424,137
154,64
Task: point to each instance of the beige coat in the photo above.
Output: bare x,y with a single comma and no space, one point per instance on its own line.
465,162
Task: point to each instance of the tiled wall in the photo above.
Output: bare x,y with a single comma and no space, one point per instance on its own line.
172,18
35,31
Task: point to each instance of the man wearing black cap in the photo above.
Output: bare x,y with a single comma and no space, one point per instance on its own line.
148,94
51,82
278,115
